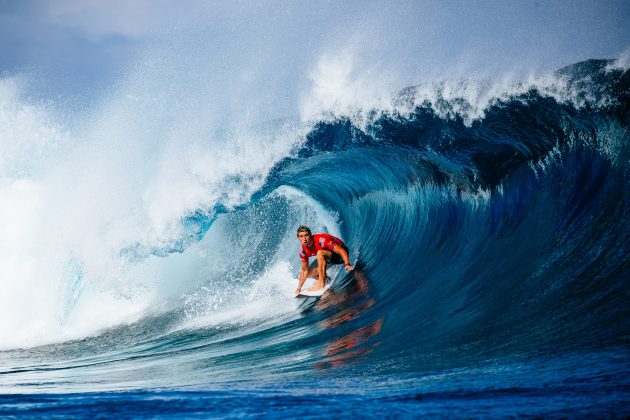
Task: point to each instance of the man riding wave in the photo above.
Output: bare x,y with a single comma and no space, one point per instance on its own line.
327,248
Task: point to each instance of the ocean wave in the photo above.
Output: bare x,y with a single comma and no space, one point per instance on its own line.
485,223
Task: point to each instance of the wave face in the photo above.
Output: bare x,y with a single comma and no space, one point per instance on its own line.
490,247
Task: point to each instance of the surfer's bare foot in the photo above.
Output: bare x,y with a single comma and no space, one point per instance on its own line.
316,288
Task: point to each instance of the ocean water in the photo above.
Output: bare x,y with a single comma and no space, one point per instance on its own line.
148,269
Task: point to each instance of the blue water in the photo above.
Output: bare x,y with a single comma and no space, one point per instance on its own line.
492,277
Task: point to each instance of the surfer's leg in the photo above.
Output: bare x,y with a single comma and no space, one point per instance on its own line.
313,272
322,256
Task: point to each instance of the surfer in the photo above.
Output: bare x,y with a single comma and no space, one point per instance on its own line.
327,248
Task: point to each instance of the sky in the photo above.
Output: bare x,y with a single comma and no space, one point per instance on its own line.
77,50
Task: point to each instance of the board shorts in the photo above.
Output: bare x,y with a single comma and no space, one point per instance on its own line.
333,260
336,258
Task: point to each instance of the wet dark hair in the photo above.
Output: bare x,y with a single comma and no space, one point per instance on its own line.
304,229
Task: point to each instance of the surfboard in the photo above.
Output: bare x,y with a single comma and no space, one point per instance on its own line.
317,293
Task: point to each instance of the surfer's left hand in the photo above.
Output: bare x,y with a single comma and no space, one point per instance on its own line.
349,267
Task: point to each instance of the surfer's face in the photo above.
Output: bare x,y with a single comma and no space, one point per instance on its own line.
305,238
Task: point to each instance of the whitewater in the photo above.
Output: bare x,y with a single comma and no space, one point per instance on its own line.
148,255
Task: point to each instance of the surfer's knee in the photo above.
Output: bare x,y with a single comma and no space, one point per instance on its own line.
321,255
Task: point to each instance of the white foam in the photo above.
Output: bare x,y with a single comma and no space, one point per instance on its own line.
269,296
344,87
28,133
622,62
126,176
341,84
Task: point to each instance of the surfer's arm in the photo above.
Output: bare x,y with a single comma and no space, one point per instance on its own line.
344,256
303,275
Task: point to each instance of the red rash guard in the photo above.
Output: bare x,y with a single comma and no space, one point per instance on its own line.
320,241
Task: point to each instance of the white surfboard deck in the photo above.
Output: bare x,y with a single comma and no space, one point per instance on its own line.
316,293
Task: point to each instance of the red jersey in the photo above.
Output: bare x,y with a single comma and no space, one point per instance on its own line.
320,241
